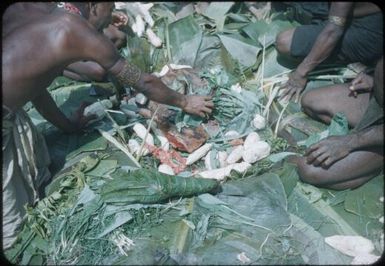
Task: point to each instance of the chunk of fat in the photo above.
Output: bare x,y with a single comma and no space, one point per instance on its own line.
133,145
350,245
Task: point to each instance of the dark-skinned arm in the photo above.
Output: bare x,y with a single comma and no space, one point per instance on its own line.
47,107
334,148
102,51
327,39
321,50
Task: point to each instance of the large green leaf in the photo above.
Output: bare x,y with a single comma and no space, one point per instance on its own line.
316,212
365,200
217,12
312,246
88,142
245,53
185,40
265,33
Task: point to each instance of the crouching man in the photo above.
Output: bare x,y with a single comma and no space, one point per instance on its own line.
341,162
34,54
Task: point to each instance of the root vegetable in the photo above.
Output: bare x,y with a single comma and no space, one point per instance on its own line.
364,259
222,156
221,173
235,155
251,140
350,245
258,151
199,153
166,169
237,88
208,161
153,38
231,134
134,147
241,167
98,109
259,122
218,174
140,130
138,26
165,145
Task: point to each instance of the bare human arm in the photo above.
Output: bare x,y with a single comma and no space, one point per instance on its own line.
102,51
47,107
332,149
322,48
328,151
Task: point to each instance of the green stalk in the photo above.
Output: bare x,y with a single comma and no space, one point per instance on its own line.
169,56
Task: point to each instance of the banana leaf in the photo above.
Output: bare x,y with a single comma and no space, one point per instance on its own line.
217,12
365,200
265,33
150,186
185,40
139,52
240,49
310,207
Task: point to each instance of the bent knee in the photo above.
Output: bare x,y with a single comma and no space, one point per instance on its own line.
310,174
283,42
309,103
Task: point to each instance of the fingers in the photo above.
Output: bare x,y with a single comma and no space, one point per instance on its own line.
357,80
320,159
329,161
311,149
206,110
201,114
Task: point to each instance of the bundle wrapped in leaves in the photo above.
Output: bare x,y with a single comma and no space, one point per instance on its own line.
149,186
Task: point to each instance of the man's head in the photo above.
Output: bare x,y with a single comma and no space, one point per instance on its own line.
100,14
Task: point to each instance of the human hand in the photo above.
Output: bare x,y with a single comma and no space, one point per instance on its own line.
78,120
119,19
328,151
198,105
294,86
362,83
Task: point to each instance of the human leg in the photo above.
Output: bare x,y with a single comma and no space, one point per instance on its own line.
323,103
350,172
